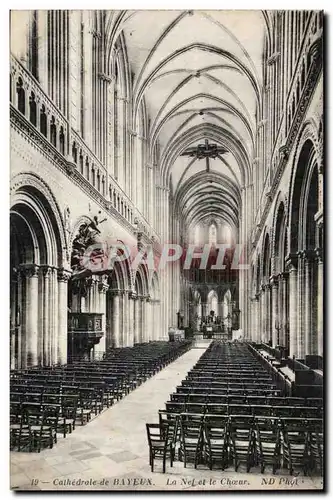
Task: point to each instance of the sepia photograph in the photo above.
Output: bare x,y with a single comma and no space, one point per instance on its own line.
166,250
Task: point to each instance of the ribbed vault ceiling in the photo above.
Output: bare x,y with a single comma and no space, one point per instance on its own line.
200,75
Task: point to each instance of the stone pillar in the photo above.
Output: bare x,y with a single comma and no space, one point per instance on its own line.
263,314
31,313
139,320
254,319
292,266
100,348
320,302
131,319
268,313
204,310
136,314
300,307
109,340
149,320
143,320
309,348
46,307
17,318
63,277
275,322
282,308
125,318
116,318
157,321
259,333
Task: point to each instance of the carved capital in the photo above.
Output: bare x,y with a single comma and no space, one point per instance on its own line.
106,78
319,255
308,255
29,270
273,58
103,285
292,262
64,275
283,276
274,281
45,270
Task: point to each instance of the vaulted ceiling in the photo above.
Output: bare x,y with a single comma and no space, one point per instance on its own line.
200,75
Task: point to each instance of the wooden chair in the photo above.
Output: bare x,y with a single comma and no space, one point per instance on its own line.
216,437
242,441
171,422
25,435
158,441
44,433
267,443
295,445
68,415
191,441
316,444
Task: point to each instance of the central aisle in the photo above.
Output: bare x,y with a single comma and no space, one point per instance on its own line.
111,452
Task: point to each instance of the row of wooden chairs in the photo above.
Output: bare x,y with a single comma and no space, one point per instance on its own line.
225,441
223,409
75,392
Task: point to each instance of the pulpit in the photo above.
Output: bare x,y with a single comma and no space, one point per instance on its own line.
84,331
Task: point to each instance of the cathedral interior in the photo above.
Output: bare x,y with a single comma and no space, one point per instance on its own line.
166,217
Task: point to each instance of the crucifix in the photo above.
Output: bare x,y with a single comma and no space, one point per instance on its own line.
206,150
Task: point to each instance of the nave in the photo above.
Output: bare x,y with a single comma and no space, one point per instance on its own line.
167,185
114,449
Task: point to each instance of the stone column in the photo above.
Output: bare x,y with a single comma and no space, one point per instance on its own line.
149,321
300,307
63,277
143,320
139,319
254,319
204,310
46,307
275,323
31,313
125,318
292,266
320,302
268,313
136,305
263,314
309,348
157,320
131,319
100,348
260,331
116,318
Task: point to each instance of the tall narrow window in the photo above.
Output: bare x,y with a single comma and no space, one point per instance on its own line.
212,234
43,121
20,95
53,132
33,109
81,162
74,152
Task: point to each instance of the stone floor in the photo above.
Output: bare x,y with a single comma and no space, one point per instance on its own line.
111,452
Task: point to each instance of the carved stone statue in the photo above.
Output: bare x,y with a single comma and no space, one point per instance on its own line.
87,236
